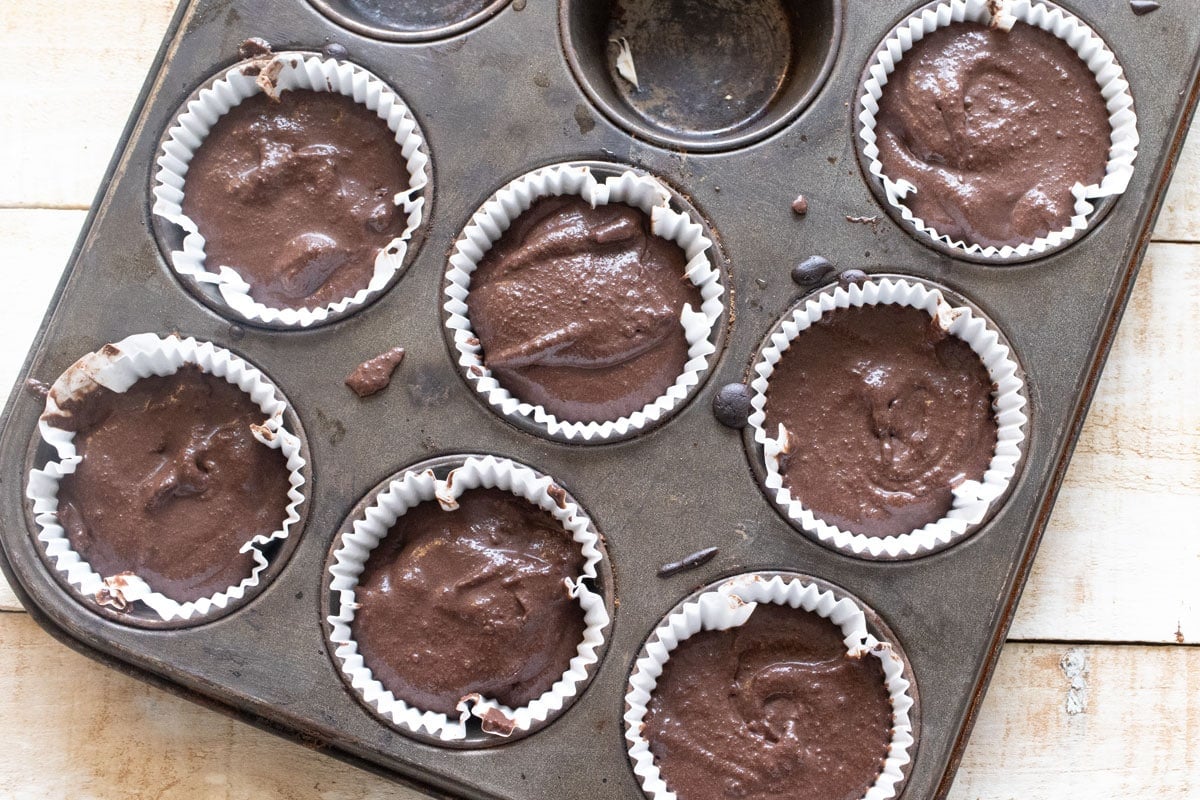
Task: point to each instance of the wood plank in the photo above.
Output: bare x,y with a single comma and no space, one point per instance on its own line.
1179,220
34,246
73,72
90,732
1096,722
95,733
1122,551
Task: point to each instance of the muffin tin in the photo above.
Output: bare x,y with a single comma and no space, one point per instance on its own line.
527,86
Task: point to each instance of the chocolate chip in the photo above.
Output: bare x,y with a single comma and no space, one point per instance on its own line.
1141,7
812,271
38,389
800,205
696,559
731,405
335,51
851,277
254,47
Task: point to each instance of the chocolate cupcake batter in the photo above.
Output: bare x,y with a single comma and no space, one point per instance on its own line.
886,413
577,309
297,195
470,601
771,710
172,483
994,128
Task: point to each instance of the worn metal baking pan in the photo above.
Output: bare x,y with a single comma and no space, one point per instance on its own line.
494,102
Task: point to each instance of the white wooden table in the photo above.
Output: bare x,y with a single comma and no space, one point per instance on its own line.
1097,693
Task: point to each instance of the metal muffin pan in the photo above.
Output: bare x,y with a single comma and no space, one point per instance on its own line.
494,103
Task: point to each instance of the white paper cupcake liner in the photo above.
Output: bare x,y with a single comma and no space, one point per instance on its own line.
278,73
117,367
631,188
972,499
730,605
372,527
1049,17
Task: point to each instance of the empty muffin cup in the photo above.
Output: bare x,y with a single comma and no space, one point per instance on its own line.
901,424
814,693
1022,152
458,640
584,302
409,22
176,474
701,74
323,165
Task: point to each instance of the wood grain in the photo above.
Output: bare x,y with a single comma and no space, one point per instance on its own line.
96,734
1122,551
1087,722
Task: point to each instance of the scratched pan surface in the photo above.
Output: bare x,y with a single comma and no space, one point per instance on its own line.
494,102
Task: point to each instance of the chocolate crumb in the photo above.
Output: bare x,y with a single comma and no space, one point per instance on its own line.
335,51
254,47
1142,7
800,205
731,405
116,601
762,284
496,722
518,5
38,389
850,277
812,271
375,374
236,332
696,559
558,494
267,80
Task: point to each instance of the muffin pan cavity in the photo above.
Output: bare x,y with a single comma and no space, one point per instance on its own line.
409,20
701,74
650,267
177,465
501,587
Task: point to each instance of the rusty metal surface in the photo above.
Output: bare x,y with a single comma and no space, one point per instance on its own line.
493,103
